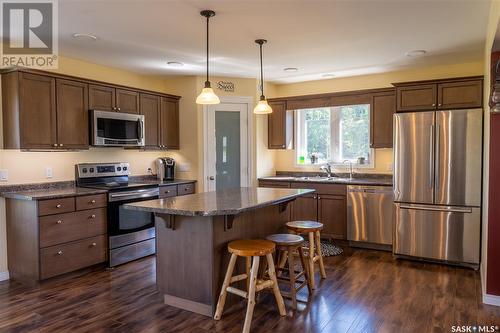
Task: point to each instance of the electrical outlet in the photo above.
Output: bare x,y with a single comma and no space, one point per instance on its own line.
184,167
389,167
48,172
4,175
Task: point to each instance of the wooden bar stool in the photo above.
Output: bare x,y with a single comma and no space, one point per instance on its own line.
312,228
288,245
250,248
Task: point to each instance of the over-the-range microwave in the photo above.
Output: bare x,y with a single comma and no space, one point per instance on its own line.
116,129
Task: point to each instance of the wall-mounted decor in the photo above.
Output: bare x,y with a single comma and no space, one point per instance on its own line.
225,86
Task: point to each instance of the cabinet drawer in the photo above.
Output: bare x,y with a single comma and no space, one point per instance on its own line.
185,189
63,228
91,201
335,189
273,184
56,206
62,259
168,191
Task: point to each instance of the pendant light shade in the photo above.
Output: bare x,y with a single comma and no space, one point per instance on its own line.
207,95
262,107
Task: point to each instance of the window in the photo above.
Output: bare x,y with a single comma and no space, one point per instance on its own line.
334,134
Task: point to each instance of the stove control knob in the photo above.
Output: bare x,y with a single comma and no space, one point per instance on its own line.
124,168
119,168
91,169
84,170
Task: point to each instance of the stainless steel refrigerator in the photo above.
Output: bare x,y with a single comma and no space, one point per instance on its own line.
437,185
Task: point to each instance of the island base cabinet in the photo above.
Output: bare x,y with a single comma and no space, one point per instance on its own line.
332,212
60,259
192,257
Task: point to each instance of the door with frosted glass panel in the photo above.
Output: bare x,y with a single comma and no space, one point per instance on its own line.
227,146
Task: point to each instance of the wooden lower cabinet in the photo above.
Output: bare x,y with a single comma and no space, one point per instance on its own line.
177,190
328,205
50,237
305,208
332,212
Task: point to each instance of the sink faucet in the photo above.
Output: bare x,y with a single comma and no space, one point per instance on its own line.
351,172
327,168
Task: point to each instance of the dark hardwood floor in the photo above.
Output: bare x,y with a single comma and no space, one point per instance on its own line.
366,291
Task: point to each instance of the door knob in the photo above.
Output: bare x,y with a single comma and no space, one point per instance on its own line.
211,178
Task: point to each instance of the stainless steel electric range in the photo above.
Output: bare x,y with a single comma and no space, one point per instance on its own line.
131,233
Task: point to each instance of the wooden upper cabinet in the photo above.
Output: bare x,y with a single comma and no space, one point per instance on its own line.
72,114
447,94
332,212
150,108
418,97
169,123
102,98
37,112
460,95
280,126
383,108
127,101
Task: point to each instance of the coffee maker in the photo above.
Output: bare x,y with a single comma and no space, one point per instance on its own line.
165,167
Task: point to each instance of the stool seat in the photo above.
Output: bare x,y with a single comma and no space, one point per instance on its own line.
304,226
285,239
251,247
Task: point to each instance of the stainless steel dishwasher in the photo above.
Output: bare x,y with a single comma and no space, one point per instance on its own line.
370,213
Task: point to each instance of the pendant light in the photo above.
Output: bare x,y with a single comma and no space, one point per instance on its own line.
262,107
207,95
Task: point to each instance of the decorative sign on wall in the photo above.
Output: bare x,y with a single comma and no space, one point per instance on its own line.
225,86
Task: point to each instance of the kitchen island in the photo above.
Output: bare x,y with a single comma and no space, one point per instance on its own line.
192,233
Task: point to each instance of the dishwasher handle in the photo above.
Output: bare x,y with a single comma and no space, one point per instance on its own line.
370,190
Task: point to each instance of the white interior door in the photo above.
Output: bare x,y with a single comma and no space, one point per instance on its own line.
227,146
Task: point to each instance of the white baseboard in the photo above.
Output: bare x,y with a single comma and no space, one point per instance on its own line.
4,276
491,299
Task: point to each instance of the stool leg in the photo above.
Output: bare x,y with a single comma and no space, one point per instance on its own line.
251,294
225,284
276,289
291,270
248,263
321,265
311,260
305,269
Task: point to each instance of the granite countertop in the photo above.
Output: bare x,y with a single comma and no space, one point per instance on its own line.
332,180
51,193
225,202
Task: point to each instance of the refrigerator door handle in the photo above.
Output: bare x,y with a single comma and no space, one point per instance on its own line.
431,160
437,209
436,154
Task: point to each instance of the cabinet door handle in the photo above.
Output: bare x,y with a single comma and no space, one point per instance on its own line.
92,216
94,244
59,221
59,253
58,206
440,104
118,109
319,198
92,201
55,144
60,145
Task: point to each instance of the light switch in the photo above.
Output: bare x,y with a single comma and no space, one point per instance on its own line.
4,175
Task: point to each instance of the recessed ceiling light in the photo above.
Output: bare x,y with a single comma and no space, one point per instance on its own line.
415,53
175,64
84,36
330,75
291,69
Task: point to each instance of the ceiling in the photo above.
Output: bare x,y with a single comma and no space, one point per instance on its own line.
341,37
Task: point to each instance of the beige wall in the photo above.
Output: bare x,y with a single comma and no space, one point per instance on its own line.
285,159
493,22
